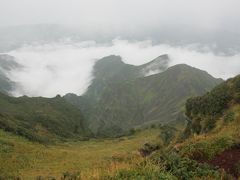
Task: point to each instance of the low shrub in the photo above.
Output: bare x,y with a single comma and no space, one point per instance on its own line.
237,169
206,148
148,148
184,168
141,173
229,117
71,176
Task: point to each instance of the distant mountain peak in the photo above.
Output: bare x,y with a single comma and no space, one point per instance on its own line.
8,62
111,59
157,65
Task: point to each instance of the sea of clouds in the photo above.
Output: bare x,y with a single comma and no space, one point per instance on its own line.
65,67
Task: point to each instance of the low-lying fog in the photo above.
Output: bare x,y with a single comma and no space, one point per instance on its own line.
60,68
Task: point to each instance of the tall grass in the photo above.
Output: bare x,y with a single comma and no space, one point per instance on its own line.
92,158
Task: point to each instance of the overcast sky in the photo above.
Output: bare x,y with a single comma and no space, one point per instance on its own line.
124,15
210,30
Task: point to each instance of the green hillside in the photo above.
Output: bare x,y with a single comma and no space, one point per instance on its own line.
41,119
209,148
204,111
213,128
122,97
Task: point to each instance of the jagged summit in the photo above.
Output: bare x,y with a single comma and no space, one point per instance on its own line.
109,59
111,69
159,59
111,65
157,65
8,62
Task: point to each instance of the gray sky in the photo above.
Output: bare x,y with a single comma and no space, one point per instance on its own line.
124,15
201,33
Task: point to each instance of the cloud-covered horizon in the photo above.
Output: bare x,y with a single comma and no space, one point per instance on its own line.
175,22
129,18
61,68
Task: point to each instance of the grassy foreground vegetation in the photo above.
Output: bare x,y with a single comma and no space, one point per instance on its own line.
194,158
92,159
118,158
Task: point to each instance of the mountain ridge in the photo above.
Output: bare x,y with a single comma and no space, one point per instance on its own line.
41,119
130,100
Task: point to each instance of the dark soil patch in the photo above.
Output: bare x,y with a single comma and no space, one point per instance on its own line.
148,149
229,160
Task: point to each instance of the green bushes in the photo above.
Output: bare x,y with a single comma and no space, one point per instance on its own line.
167,134
211,104
66,176
229,117
196,126
145,171
6,147
184,169
71,176
205,110
168,166
141,174
237,83
206,149
237,97
45,178
237,169
147,149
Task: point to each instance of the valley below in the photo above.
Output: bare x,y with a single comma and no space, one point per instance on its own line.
151,121
91,159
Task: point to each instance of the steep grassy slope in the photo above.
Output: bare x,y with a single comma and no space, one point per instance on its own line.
122,97
212,147
41,119
213,128
205,110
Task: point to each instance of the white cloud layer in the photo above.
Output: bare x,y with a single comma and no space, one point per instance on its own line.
61,68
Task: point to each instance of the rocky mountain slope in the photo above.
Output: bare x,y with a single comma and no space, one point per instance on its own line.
122,97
